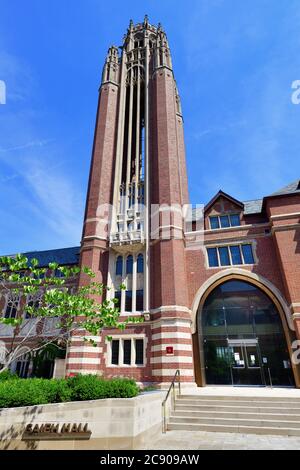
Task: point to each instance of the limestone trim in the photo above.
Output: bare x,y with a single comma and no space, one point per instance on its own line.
171,308
280,228
231,273
230,229
284,216
121,338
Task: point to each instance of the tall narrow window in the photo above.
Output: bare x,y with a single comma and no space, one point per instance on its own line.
139,352
118,298
128,301
119,266
236,255
214,222
12,306
129,265
127,351
140,300
248,254
115,345
224,220
224,256
212,257
22,366
140,264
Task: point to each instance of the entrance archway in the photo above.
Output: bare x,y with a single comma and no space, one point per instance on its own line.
242,337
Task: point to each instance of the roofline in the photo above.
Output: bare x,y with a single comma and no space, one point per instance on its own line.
266,198
221,193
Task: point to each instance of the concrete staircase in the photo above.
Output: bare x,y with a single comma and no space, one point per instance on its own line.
238,414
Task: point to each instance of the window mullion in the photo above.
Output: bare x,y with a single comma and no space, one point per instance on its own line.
230,257
218,255
133,352
121,352
242,254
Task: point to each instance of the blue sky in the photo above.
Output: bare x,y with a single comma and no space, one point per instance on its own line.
234,63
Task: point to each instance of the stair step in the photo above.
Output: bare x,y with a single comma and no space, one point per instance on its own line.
241,415
239,403
238,398
234,429
237,408
266,423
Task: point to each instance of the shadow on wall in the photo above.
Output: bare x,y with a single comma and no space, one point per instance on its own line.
11,439
297,239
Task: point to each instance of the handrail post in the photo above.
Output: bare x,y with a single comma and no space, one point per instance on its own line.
172,390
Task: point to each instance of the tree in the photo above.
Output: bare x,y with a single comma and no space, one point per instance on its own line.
52,293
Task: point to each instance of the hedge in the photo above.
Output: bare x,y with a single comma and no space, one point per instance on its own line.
28,392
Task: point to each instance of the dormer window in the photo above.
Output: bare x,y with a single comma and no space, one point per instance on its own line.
224,221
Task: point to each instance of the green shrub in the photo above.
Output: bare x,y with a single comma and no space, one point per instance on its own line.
7,375
28,392
91,387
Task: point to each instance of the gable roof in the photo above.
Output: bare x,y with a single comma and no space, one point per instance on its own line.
222,194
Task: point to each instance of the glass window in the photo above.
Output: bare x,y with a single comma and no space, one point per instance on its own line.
212,257
139,352
248,254
33,302
224,221
118,297
239,321
140,264
115,345
224,256
127,352
140,300
128,300
214,222
236,255
22,366
235,220
129,265
119,266
12,307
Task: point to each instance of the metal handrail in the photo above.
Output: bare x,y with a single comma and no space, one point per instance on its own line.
171,388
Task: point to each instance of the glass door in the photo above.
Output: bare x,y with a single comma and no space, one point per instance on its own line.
246,366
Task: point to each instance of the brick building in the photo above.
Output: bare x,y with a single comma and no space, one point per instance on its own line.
220,295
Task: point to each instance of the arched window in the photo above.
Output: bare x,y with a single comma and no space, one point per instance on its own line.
119,266
140,264
129,264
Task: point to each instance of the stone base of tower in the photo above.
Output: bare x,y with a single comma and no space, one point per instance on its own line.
171,346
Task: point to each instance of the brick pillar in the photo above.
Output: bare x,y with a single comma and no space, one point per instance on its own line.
82,357
169,297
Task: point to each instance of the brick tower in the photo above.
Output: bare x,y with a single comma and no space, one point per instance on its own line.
138,169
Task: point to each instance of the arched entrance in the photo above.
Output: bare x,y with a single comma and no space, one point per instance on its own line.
242,337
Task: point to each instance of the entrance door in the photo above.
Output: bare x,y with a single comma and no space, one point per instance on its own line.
246,366
243,338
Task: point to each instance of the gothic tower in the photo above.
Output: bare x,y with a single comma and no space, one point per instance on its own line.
138,175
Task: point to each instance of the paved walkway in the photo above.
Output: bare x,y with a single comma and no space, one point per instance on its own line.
189,440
